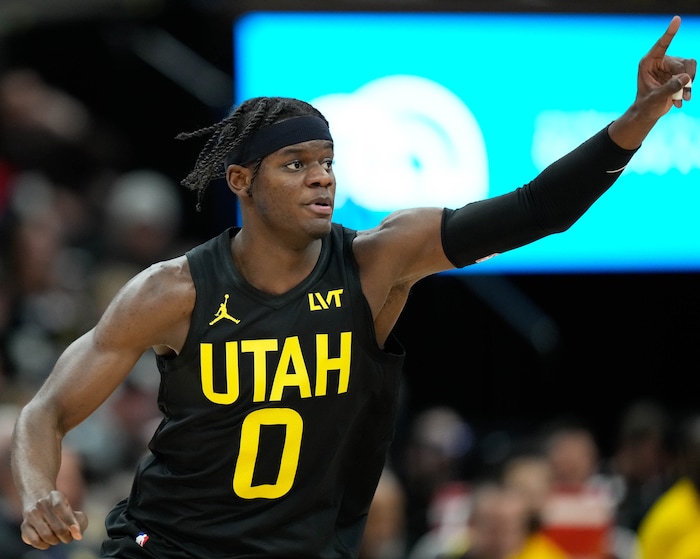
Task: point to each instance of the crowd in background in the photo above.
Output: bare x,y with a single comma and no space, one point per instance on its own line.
74,227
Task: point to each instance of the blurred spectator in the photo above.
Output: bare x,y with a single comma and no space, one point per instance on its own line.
579,512
70,480
143,215
385,532
448,516
529,474
438,445
498,523
642,463
573,455
671,528
46,281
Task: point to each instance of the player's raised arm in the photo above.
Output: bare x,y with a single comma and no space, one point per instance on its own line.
662,82
412,244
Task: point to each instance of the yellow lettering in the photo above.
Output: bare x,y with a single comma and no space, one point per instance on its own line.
291,371
248,455
334,296
324,363
207,374
321,300
312,303
259,349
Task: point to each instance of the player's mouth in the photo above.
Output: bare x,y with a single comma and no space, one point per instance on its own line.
321,206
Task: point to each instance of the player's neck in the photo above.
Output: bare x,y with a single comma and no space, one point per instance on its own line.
273,266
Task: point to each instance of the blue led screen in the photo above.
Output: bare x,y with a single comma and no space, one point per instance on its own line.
439,109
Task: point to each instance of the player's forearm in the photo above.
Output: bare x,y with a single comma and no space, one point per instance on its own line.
631,128
36,452
550,203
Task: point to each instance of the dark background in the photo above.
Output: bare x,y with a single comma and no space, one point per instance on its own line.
509,352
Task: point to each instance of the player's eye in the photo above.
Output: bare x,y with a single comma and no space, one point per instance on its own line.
294,165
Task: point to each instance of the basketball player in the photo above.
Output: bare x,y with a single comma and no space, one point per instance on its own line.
279,371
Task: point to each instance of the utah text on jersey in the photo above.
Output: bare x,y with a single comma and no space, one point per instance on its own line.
291,371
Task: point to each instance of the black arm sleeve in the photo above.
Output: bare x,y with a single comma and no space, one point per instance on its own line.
551,203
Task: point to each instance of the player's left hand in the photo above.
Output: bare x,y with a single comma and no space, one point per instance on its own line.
661,76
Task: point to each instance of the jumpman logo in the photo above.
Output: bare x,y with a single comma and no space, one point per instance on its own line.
223,313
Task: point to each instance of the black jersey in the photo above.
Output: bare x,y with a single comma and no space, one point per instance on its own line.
279,412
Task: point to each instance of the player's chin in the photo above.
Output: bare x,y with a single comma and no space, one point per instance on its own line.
319,228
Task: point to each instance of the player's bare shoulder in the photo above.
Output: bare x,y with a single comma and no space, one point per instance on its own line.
156,304
169,278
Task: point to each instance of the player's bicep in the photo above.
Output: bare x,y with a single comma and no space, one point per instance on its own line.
407,244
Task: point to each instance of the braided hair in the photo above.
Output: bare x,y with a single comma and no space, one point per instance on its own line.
232,131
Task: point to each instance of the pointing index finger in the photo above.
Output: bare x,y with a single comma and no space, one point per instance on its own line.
660,47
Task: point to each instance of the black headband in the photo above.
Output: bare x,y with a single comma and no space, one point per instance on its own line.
276,136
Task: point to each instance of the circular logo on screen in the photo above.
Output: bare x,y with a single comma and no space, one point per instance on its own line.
405,141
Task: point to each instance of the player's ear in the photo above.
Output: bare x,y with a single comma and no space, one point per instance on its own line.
238,178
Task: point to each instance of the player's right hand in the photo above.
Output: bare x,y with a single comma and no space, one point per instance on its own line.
51,521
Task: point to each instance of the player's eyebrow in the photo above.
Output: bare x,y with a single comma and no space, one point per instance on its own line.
294,149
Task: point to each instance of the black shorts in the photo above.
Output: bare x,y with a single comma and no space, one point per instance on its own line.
124,548
126,540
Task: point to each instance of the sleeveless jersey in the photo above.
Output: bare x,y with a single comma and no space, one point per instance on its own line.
278,415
